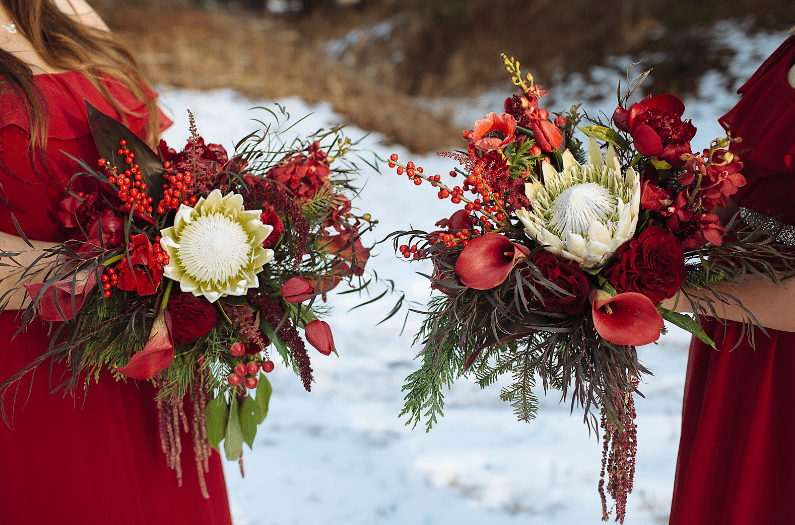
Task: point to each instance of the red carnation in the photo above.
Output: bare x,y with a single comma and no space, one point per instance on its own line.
192,317
652,264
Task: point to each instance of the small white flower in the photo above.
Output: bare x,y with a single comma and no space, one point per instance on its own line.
215,248
586,212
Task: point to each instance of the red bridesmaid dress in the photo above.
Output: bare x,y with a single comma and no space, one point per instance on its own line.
736,463
93,459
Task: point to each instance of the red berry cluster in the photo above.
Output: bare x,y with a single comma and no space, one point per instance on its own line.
411,252
490,204
173,190
109,280
132,188
247,367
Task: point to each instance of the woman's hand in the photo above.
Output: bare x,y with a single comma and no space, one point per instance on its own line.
11,271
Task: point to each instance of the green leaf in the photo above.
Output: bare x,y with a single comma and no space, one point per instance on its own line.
249,419
234,300
660,164
215,415
276,340
685,322
233,444
606,134
107,132
264,391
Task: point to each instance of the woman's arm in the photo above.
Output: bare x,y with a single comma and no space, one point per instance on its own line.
9,275
772,305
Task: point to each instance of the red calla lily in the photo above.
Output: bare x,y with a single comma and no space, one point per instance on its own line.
487,261
318,334
625,319
156,355
63,294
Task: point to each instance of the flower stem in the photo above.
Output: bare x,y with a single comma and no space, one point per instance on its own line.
166,295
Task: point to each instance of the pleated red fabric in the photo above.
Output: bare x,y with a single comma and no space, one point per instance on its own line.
736,463
96,458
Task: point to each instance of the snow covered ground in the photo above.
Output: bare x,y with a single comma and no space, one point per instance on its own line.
340,455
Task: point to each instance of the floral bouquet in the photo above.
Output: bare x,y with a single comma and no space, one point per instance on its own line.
557,265
187,268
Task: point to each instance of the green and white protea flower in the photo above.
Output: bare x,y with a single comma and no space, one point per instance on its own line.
585,212
215,248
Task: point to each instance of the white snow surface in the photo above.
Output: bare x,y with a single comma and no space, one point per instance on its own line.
341,455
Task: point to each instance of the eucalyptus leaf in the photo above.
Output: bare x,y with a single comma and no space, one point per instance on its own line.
264,391
215,415
685,322
606,134
233,443
249,419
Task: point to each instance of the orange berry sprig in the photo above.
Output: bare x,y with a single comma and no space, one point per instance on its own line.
491,207
132,188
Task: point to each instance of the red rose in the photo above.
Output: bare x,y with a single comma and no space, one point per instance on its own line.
652,264
566,275
191,317
145,275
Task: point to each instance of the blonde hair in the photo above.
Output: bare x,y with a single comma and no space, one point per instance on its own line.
67,45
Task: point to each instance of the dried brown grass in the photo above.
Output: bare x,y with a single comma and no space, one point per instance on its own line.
266,58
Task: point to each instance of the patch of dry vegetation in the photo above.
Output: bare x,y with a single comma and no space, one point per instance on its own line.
373,61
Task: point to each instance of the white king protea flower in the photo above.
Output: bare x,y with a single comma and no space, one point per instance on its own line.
215,248
583,213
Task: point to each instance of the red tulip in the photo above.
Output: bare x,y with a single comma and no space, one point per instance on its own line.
318,334
63,294
156,355
625,319
547,135
487,261
297,290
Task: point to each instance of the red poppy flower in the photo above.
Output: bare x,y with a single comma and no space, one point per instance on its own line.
625,319
493,132
158,353
487,261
